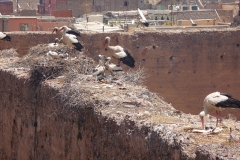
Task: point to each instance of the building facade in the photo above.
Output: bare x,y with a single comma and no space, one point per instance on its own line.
6,7
81,7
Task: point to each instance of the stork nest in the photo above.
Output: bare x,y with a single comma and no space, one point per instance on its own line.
42,69
84,92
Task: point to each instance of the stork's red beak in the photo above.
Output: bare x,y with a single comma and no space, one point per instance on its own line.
53,31
104,44
60,29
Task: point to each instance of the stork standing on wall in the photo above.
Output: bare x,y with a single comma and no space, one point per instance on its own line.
119,53
68,31
143,20
4,37
113,68
71,40
216,102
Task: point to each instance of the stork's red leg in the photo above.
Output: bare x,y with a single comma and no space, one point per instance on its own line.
217,117
119,62
220,116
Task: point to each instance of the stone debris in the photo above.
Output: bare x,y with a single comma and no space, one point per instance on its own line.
209,131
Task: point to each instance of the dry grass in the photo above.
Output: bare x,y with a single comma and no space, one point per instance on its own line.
165,119
133,77
7,57
8,53
80,90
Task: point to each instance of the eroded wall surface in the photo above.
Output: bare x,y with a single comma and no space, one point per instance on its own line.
34,124
183,67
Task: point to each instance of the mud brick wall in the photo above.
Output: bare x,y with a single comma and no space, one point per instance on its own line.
183,67
34,125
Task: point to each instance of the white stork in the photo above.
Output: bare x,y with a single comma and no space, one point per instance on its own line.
4,37
119,53
71,40
100,68
113,68
55,44
52,55
216,102
68,31
63,55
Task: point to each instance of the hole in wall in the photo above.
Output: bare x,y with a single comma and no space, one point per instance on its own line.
237,45
221,56
79,136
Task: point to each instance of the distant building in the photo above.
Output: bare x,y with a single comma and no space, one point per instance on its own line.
10,23
19,5
62,13
28,13
46,6
80,7
119,5
6,7
205,17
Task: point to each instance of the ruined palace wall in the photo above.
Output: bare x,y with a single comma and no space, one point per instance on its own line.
34,124
183,67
